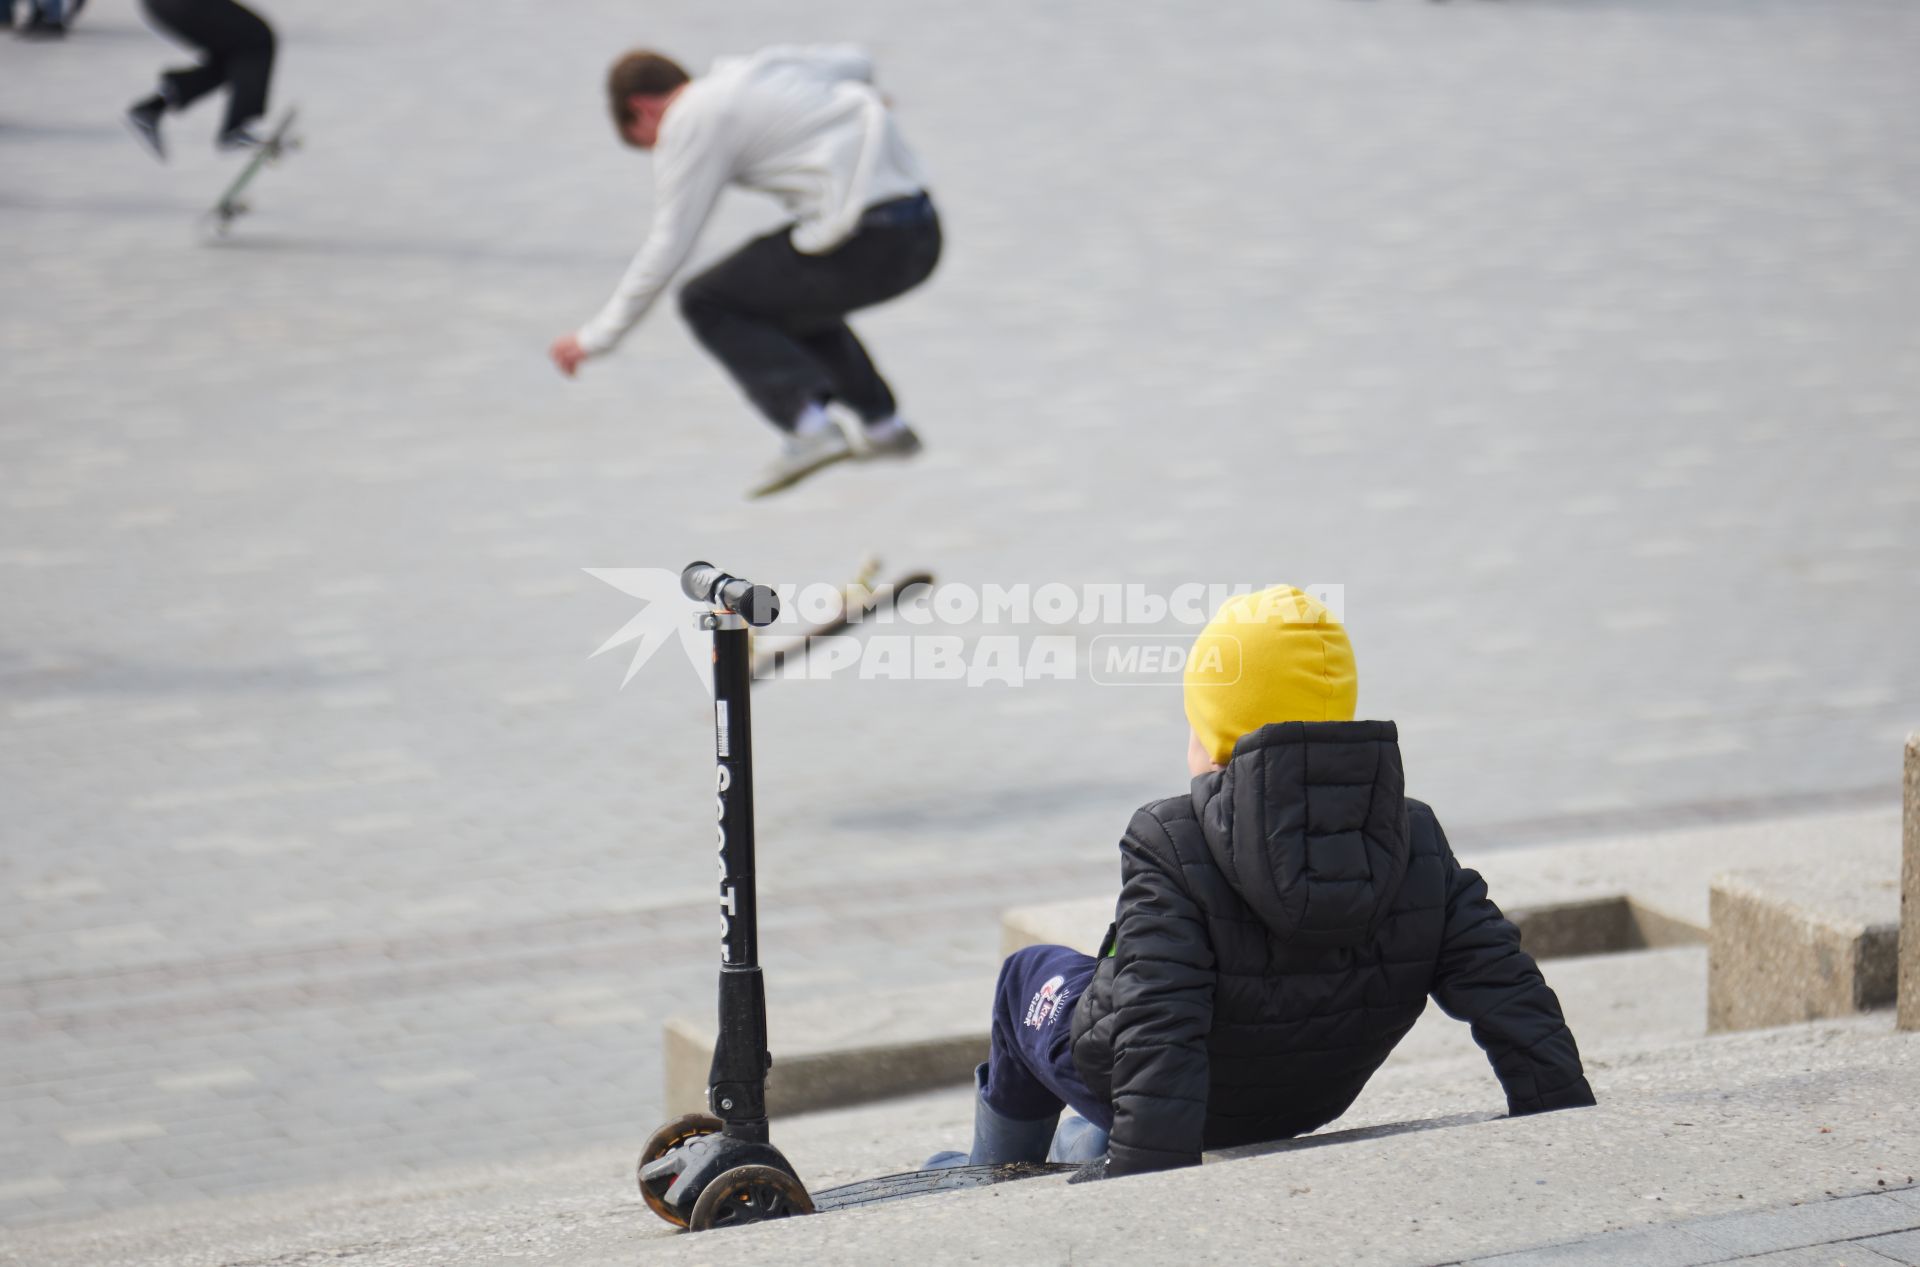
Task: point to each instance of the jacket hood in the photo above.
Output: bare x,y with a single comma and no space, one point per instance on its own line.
1308,822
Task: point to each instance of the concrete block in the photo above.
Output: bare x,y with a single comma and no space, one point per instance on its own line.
1814,940
847,1050
1909,986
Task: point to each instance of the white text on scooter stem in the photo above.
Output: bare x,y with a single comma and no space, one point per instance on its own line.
723,779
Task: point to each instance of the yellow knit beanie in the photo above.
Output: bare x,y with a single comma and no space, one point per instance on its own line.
1274,656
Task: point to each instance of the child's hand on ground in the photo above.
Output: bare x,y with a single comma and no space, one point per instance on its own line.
567,354
1093,1172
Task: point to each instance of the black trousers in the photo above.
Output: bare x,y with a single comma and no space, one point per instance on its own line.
776,318
238,51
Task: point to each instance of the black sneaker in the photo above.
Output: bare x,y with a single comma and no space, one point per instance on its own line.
41,29
144,119
238,138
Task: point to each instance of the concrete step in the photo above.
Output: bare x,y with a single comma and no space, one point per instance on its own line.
1417,1174
1573,903
855,1049
1646,999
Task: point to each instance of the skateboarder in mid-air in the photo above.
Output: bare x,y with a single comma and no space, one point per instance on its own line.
807,126
1280,927
237,51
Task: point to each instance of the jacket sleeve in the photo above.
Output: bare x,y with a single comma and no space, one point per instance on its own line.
1485,979
1163,1009
689,173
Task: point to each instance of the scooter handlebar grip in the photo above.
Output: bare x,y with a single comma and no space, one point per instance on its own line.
705,583
698,581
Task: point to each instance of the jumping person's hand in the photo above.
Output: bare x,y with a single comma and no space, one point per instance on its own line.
567,354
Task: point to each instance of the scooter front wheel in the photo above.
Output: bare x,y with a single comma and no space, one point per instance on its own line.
663,1141
749,1194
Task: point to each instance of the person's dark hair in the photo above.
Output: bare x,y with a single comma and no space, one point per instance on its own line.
641,73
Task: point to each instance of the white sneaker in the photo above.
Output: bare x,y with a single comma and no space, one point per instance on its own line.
896,440
238,138
803,455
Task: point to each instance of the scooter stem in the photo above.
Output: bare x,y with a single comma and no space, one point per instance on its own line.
737,1082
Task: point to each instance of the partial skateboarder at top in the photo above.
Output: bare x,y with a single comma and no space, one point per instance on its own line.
807,126
237,51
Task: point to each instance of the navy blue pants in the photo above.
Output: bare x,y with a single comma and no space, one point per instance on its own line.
1030,1071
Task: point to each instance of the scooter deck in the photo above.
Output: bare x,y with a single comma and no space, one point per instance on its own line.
920,1182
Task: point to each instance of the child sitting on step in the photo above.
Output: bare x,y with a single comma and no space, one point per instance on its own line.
1280,927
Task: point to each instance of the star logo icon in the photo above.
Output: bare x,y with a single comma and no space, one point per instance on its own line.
663,614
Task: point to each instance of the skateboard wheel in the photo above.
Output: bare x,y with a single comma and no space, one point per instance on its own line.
662,1142
749,1194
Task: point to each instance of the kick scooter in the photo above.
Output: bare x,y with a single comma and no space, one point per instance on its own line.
721,1169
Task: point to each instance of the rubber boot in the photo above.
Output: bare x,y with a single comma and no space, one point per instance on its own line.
1077,1140
998,1138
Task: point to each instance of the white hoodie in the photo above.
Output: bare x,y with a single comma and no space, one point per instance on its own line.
802,124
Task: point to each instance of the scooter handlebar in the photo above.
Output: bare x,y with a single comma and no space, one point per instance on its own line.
705,583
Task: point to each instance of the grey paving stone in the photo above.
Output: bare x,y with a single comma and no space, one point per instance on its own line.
1661,1247
1837,1254
1816,1223
1901,1247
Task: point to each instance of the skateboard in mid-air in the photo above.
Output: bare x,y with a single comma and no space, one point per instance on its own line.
859,598
231,205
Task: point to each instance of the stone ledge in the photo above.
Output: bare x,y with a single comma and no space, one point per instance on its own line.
1627,893
1579,925
853,1049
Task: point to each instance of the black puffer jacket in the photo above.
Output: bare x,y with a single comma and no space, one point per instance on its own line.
1278,931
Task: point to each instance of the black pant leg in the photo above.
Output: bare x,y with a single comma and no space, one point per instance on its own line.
875,265
856,380
250,72
239,48
775,317
734,310
186,85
